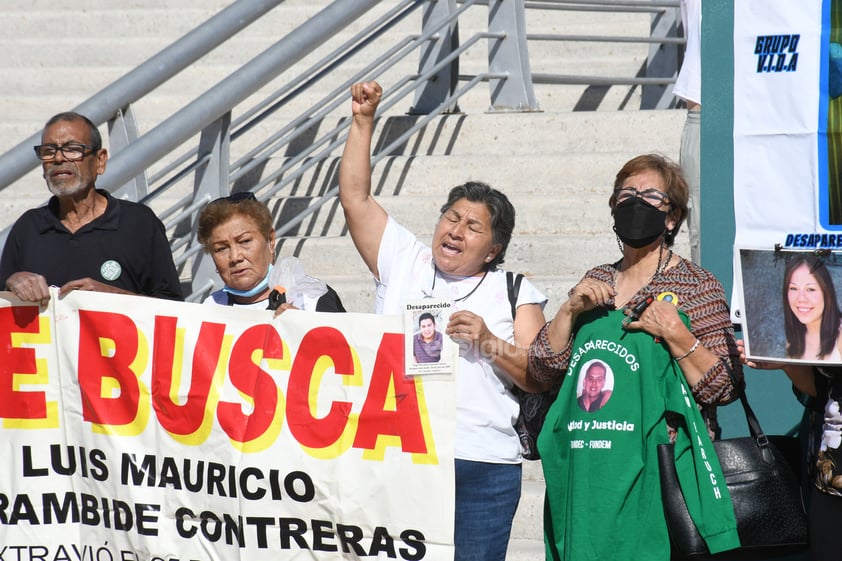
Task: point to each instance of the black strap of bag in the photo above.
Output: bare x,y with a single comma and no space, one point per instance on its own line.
327,302
761,475
533,406
754,428
513,284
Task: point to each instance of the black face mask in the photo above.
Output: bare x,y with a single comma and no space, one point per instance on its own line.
637,223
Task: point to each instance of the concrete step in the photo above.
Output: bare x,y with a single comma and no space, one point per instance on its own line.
26,111
117,38
156,24
117,52
510,137
115,57
517,133
525,550
71,7
566,211
77,83
556,177
583,153
527,539
106,41
171,18
529,519
584,150
539,255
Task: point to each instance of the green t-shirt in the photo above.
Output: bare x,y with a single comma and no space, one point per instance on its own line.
603,498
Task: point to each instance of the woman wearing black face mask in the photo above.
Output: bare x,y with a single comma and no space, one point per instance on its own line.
661,326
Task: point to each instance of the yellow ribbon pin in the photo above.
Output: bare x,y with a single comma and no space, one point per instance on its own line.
668,297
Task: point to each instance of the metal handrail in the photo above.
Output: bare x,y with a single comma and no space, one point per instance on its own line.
272,102
337,96
209,165
381,154
567,79
314,158
606,39
198,114
596,5
159,69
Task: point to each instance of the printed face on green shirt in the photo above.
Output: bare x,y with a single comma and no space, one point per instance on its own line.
594,381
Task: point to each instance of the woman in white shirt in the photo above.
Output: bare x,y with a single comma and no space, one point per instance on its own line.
461,265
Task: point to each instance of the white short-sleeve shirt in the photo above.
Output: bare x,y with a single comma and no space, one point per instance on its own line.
486,409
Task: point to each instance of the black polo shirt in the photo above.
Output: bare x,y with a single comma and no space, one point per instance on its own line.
126,247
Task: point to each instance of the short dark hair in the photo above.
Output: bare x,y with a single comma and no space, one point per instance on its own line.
675,186
221,210
596,364
426,315
93,131
499,207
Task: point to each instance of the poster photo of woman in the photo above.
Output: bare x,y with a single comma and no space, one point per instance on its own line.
791,309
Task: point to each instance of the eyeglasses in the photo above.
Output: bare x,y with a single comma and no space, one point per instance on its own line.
72,152
652,196
236,198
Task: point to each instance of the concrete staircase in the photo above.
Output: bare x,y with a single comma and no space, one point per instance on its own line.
557,165
560,190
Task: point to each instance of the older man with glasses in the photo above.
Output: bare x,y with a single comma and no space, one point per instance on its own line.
84,239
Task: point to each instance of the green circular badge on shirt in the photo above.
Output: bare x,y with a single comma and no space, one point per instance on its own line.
110,270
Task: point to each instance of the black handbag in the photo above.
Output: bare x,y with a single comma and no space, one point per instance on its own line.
533,410
533,406
763,477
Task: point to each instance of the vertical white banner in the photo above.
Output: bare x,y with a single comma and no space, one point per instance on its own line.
777,79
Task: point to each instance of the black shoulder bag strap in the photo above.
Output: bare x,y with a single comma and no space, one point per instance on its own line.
533,406
513,284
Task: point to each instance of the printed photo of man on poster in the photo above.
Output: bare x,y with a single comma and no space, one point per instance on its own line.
427,350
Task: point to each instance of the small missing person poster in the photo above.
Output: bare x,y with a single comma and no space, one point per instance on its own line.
428,349
790,305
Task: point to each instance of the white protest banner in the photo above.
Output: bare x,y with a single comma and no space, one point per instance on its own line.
143,429
787,174
777,70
